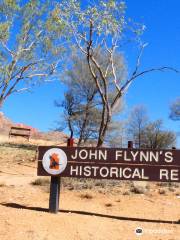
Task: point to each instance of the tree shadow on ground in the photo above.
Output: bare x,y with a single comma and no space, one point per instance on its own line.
39,209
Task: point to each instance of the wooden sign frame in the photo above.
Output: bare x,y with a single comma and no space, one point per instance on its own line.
160,165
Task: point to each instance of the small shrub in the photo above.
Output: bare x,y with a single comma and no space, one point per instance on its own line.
108,205
138,190
162,184
148,186
70,188
100,183
41,182
173,184
171,189
2,184
162,191
86,195
126,193
102,191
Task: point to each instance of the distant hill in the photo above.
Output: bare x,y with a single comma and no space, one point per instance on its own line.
6,123
51,136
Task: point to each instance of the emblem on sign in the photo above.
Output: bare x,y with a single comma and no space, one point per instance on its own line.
54,161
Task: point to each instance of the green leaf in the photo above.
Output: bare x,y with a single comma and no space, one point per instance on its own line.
4,31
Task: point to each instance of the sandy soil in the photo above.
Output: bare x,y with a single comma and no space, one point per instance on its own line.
84,214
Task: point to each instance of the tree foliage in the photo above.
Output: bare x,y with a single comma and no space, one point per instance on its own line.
82,104
103,25
115,136
156,137
148,134
137,125
175,110
30,44
99,28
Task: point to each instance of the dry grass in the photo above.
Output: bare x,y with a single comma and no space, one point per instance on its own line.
88,184
17,152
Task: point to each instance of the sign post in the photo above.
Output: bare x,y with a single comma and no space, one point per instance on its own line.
130,144
55,184
54,194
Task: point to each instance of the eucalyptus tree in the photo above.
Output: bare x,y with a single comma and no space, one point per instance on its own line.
156,137
31,43
146,133
82,105
80,112
103,25
137,124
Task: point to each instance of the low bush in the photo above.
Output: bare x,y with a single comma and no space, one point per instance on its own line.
41,182
86,195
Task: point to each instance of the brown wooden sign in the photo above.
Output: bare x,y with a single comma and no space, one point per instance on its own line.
110,163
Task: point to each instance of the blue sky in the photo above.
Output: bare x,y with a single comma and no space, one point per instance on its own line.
156,90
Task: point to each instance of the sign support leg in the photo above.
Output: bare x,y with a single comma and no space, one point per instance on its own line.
55,187
130,144
54,194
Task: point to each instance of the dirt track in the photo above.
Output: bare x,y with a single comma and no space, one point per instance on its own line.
23,216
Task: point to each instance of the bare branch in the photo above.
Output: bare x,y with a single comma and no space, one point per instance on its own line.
21,90
12,87
37,75
31,44
17,80
164,68
139,59
96,81
135,75
125,87
90,66
109,62
79,45
107,69
54,67
113,70
7,49
105,94
76,40
23,69
83,37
